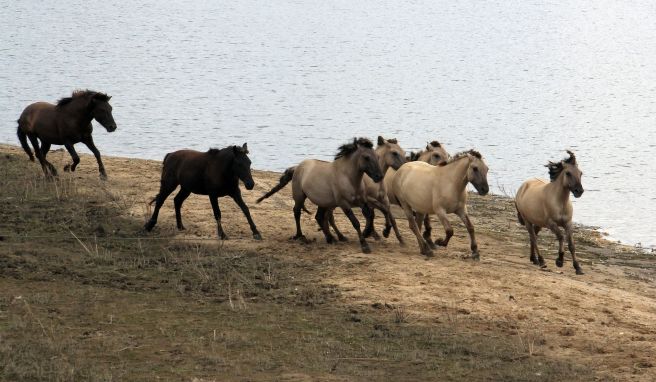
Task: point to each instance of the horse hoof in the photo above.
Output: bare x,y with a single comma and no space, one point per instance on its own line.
301,238
366,249
330,239
440,242
559,263
257,236
67,168
386,233
476,256
431,245
181,228
428,253
103,176
149,226
342,238
579,271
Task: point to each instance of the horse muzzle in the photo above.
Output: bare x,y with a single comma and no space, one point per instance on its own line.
111,128
483,190
249,184
577,192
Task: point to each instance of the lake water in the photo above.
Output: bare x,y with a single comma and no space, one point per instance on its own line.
518,80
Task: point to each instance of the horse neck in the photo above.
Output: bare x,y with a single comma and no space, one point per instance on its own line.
558,190
77,110
349,167
456,171
380,155
222,164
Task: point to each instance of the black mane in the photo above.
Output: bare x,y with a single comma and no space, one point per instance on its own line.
349,148
82,94
555,168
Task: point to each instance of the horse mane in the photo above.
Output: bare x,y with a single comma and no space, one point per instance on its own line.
555,168
435,144
82,94
463,154
349,148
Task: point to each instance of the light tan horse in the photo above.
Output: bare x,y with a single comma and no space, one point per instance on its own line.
423,189
434,154
332,184
541,204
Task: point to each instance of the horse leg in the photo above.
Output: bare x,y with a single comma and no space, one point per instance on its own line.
244,208
214,201
74,156
369,215
428,230
322,219
356,224
47,170
533,236
165,190
419,220
177,204
331,221
298,208
45,148
561,243
389,219
572,249
101,168
472,236
424,248
448,230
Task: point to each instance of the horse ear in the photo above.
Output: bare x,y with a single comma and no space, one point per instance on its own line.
381,141
245,147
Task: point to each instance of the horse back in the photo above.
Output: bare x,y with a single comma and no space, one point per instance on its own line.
197,172
536,205
35,115
314,179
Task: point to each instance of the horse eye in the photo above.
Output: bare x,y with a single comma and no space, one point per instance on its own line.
567,173
475,168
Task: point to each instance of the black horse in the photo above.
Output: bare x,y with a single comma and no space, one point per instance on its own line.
66,123
214,173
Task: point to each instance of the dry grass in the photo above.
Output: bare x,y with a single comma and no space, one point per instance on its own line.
85,295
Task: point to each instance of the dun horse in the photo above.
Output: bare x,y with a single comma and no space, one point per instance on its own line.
434,154
390,156
541,204
66,123
214,173
332,184
442,191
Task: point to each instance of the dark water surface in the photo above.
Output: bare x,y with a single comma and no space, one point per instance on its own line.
519,81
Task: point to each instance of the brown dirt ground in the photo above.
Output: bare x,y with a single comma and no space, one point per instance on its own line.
604,320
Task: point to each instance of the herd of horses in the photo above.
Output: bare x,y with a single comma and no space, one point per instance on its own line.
430,182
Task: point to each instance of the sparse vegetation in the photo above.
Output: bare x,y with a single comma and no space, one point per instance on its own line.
85,295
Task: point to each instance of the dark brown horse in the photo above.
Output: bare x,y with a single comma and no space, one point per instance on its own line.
214,173
66,123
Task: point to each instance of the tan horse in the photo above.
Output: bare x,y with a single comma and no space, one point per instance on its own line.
434,154
332,184
390,156
541,204
423,189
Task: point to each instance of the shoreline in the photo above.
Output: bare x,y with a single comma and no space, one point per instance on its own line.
603,232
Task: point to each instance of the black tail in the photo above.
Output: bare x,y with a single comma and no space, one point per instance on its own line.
22,137
519,216
284,179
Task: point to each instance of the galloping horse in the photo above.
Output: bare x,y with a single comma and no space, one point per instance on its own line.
543,204
332,184
214,173
434,154
66,123
423,189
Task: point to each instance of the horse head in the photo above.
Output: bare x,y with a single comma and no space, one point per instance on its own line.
477,172
390,152
241,165
101,110
572,175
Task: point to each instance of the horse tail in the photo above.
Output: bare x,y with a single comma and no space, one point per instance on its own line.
22,137
284,179
519,216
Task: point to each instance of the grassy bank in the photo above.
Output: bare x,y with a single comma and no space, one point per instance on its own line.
86,295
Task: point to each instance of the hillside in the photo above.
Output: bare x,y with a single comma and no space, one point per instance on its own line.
86,295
